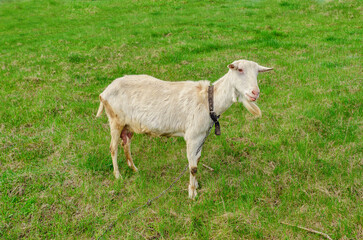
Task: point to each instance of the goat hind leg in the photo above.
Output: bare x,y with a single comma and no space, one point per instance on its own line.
126,136
115,133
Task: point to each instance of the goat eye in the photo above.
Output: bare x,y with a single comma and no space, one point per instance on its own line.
240,70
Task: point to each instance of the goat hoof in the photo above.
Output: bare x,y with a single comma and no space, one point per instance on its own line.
117,175
135,169
192,192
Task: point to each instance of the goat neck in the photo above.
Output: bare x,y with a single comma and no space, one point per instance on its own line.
224,93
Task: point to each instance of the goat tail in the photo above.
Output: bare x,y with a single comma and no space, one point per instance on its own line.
100,110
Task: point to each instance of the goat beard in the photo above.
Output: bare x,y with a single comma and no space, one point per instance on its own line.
251,107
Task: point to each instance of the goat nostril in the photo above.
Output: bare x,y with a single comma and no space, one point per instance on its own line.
256,93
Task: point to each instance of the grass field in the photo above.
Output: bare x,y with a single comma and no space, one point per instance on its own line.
301,163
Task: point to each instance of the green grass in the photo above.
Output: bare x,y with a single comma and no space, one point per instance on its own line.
300,163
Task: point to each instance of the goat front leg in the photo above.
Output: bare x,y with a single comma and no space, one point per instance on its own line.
193,158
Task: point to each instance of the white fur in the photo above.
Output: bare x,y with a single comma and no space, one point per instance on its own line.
144,104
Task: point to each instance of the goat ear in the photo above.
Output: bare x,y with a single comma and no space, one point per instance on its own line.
264,69
232,66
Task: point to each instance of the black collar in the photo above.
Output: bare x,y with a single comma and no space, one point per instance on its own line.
212,114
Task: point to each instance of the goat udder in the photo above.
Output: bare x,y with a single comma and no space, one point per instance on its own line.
125,134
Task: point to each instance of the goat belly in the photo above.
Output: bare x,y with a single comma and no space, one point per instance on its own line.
141,129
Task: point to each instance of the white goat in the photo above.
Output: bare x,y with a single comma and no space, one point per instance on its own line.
144,104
